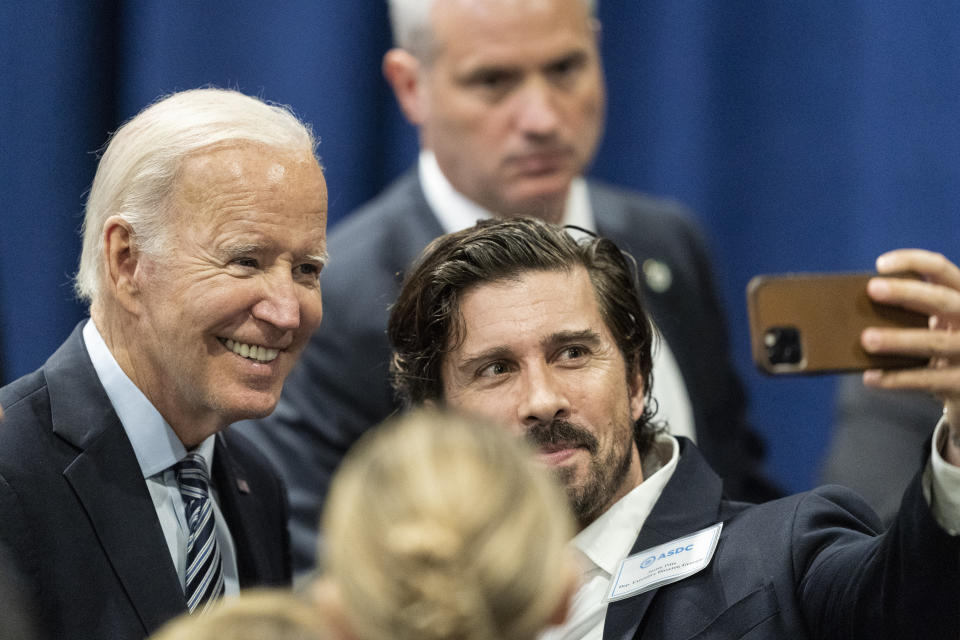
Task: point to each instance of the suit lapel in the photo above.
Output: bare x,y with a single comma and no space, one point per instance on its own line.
108,483
238,503
421,224
689,502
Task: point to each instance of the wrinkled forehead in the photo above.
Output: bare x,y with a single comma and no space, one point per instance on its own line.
534,296
230,162
250,181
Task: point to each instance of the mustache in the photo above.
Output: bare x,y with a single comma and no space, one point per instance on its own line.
561,432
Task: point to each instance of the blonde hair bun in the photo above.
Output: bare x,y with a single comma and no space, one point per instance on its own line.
441,527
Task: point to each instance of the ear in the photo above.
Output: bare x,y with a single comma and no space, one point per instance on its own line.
402,70
637,396
121,259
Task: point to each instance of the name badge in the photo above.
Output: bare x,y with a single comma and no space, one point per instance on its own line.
666,563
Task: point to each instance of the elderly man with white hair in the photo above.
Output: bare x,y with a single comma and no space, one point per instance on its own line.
124,499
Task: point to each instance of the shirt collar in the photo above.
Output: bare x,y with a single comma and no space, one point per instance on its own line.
608,539
456,212
154,442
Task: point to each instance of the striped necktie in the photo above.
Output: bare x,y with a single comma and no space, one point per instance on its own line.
204,579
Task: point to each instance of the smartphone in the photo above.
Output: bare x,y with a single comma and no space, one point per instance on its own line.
811,323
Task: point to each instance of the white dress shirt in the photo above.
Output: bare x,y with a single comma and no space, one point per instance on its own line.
941,483
607,540
455,212
158,449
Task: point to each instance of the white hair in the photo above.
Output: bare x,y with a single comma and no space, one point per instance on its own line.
410,23
136,173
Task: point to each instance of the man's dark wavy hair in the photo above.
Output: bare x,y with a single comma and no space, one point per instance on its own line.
425,322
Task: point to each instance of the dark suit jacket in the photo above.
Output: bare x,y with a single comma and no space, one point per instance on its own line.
340,387
77,517
807,566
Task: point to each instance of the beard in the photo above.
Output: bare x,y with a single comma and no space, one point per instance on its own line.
605,473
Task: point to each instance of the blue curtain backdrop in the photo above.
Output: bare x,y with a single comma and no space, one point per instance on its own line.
806,136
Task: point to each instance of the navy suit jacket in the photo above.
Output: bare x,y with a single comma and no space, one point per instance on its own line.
813,565
340,386
78,519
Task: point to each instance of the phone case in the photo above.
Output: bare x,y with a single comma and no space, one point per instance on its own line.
811,323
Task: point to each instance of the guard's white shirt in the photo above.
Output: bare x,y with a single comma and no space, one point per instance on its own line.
455,212
158,449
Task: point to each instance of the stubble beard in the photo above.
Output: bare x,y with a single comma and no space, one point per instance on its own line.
605,475
604,480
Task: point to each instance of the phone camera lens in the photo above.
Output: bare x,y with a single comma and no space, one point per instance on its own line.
783,345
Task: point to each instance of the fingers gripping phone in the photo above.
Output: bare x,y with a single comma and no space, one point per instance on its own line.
811,323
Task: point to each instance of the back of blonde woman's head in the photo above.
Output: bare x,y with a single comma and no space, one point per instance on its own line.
442,527
253,615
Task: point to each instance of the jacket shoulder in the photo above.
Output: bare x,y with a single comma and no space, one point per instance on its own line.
400,207
629,216
26,408
12,394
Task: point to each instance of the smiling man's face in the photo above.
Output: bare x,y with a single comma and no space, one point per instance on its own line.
225,313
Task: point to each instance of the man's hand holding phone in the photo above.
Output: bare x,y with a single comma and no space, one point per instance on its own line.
937,295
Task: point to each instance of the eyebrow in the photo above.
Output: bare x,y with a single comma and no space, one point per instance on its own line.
587,336
323,257
574,56
475,74
247,248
